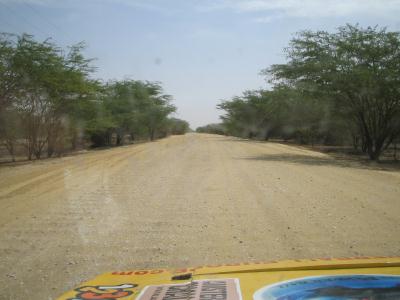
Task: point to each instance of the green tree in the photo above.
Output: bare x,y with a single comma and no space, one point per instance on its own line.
9,79
48,99
130,107
358,70
177,126
8,90
154,107
39,85
212,128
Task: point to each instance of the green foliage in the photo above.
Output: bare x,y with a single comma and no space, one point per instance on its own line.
281,113
40,84
357,70
335,88
48,100
136,108
212,128
177,126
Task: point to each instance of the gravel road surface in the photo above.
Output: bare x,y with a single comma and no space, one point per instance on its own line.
184,201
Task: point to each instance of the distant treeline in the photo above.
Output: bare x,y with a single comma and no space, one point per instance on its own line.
49,103
212,128
339,88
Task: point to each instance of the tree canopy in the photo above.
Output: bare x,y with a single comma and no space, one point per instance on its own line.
49,101
334,87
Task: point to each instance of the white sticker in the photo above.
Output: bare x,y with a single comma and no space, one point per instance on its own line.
212,289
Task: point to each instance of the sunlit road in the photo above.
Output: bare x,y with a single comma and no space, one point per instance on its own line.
186,200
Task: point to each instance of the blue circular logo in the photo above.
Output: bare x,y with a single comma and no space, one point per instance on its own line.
340,287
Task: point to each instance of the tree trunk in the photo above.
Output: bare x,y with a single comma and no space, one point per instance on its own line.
29,153
59,149
266,137
364,146
73,142
120,139
50,150
355,142
10,147
38,153
375,149
38,147
29,148
152,134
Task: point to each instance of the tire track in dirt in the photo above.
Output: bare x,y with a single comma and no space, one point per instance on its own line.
184,201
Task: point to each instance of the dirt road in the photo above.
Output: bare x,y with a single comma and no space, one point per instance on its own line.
186,200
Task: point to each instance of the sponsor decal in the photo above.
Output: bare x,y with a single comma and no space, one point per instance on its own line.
338,287
213,289
111,292
186,270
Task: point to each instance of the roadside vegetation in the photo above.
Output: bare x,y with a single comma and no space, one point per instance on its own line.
340,88
211,128
50,103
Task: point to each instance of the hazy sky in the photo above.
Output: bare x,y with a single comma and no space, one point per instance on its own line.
202,51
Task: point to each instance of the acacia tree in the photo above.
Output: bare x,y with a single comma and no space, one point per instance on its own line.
134,107
177,126
120,98
246,115
47,99
214,128
68,86
39,85
35,62
358,69
284,113
153,108
9,80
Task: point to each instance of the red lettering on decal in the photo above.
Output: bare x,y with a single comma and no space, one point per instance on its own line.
141,272
122,273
